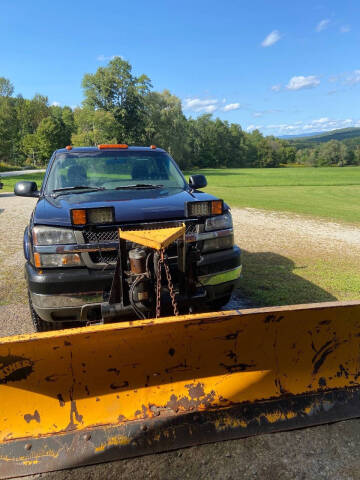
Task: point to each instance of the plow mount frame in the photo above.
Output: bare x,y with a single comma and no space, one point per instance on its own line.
302,369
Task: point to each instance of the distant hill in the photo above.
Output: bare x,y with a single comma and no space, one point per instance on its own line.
303,141
301,135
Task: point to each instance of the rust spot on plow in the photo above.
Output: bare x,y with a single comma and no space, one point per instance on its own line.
196,398
28,417
181,367
342,371
123,385
321,355
196,391
273,318
322,382
61,400
74,414
115,370
238,367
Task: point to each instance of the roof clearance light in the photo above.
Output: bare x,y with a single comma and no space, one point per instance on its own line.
153,147
78,217
68,147
105,146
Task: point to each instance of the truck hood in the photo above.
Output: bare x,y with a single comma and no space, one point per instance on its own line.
129,205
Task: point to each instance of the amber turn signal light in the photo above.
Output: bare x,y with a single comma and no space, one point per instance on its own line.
78,217
37,260
217,207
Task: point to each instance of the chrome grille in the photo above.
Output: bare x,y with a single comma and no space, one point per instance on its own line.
96,236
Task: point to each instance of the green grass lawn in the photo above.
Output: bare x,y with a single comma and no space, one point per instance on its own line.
331,193
9,182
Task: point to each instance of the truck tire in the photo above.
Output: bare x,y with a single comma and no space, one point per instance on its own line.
220,302
39,324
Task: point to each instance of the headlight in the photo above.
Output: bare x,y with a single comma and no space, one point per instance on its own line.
52,236
219,222
204,209
220,243
51,260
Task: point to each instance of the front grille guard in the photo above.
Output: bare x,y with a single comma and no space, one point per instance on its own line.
102,235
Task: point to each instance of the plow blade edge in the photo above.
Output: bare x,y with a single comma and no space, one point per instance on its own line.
89,395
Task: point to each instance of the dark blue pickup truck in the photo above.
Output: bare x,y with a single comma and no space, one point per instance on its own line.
72,247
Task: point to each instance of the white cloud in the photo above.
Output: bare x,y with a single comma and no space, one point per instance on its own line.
55,104
231,106
345,29
276,88
198,105
300,82
106,58
322,25
264,112
353,78
251,128
322,120
322,124
271,39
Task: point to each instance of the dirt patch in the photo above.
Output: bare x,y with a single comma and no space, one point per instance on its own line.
14,217
258,230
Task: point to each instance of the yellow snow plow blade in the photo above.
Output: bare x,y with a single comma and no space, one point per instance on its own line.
94,394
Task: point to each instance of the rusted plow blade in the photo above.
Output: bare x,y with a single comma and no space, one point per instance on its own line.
95,394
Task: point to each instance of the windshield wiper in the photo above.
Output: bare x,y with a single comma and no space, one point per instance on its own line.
138,186
66,190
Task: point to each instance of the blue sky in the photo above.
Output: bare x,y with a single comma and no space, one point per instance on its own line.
283,67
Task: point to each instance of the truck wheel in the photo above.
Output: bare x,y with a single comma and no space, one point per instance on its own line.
39,324
220,302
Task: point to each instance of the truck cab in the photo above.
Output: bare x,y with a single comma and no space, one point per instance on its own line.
71,244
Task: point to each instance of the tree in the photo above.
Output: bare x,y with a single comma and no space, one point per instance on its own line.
6,87
165,125
30,147
116,90
93,127
8,129
50,135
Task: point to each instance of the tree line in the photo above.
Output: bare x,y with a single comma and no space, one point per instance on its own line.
120,107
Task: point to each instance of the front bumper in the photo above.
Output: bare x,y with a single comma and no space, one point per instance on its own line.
72,294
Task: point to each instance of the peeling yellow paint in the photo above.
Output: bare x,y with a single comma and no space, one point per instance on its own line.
30,462
112,442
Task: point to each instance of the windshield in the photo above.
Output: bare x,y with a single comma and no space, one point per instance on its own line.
113,169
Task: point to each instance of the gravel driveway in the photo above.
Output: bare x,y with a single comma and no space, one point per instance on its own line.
325,452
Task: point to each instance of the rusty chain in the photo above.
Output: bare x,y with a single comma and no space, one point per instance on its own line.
163,261
171,287
158,287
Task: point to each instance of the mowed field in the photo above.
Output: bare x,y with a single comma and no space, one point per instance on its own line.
331,193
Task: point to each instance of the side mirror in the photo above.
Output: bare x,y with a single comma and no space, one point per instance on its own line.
26,189
197,181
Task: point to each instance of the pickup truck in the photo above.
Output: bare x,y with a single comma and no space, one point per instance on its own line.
71,244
